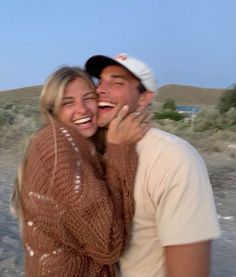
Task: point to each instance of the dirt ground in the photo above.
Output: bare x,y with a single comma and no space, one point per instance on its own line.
222,170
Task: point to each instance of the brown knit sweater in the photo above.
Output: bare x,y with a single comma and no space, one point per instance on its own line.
76,220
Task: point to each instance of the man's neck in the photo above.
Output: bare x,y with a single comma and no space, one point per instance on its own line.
99,139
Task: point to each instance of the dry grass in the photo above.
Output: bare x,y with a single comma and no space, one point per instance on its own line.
207,141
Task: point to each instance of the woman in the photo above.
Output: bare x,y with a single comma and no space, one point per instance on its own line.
75,221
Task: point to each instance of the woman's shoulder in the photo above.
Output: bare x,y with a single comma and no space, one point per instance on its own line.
54,131
64,136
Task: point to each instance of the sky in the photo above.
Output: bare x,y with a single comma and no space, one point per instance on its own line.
187,42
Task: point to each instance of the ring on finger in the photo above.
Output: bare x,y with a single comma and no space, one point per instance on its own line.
137,113
119,117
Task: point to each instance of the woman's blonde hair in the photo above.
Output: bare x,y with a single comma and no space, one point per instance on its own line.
53,90
50,103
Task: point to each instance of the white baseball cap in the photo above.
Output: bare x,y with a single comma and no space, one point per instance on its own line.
140,70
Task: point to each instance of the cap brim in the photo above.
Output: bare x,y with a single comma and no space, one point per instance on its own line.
96,64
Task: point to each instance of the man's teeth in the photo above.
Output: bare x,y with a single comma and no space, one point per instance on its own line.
82,120
106,104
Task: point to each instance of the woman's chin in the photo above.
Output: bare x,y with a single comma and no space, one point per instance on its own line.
87,132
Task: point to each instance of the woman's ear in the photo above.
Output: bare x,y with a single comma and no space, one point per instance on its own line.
145,98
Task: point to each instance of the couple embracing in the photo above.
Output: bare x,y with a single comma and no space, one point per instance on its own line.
100,192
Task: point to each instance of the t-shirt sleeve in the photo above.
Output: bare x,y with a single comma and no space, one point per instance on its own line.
184,203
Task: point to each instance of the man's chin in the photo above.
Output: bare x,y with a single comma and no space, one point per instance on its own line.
103,121
102,124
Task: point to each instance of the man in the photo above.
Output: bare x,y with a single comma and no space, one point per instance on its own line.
175,217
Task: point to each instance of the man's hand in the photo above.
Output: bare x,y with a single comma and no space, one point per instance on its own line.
128,128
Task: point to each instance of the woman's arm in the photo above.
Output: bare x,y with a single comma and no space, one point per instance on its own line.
121,165
69,199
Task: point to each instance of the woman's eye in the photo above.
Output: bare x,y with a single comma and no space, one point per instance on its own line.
91,97
66,104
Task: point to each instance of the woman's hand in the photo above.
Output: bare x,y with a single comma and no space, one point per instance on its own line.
128,128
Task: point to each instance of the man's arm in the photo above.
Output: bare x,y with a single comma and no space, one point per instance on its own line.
189,260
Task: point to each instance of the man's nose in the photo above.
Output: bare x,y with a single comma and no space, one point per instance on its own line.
102,88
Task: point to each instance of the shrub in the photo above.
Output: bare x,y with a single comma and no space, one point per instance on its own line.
228,100
173,115
6,117
169,105
206,119
231,116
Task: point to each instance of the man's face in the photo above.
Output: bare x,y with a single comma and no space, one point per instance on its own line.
117,88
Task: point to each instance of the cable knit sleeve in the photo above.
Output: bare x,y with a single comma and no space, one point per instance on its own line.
67,197
121,165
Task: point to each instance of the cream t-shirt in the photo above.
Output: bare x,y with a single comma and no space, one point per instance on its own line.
174,203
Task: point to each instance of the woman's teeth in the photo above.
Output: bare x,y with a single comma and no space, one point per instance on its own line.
82,120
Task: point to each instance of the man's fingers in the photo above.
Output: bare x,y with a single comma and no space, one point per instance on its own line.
141,109
122,113
141,116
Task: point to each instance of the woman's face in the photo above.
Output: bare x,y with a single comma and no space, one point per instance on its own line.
79,107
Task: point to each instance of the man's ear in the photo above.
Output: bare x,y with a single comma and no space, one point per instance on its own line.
145,98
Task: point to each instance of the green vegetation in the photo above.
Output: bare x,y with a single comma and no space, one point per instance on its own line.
209,130
210,118
173,115
169,105
220,118
228,100
168,111
17,122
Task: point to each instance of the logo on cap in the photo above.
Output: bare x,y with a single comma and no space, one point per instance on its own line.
121,56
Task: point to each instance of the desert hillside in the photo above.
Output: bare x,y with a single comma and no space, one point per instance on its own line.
26,95
187,95
183,95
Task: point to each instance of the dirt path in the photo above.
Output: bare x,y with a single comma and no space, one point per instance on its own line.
223,177
11,254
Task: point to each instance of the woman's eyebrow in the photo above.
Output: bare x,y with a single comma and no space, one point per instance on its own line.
66,97
90,93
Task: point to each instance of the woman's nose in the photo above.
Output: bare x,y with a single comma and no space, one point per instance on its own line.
80,108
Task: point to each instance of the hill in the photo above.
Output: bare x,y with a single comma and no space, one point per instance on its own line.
187,95
183,95
26,96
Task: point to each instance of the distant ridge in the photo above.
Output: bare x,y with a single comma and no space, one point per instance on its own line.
188,95
26,95
183,95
